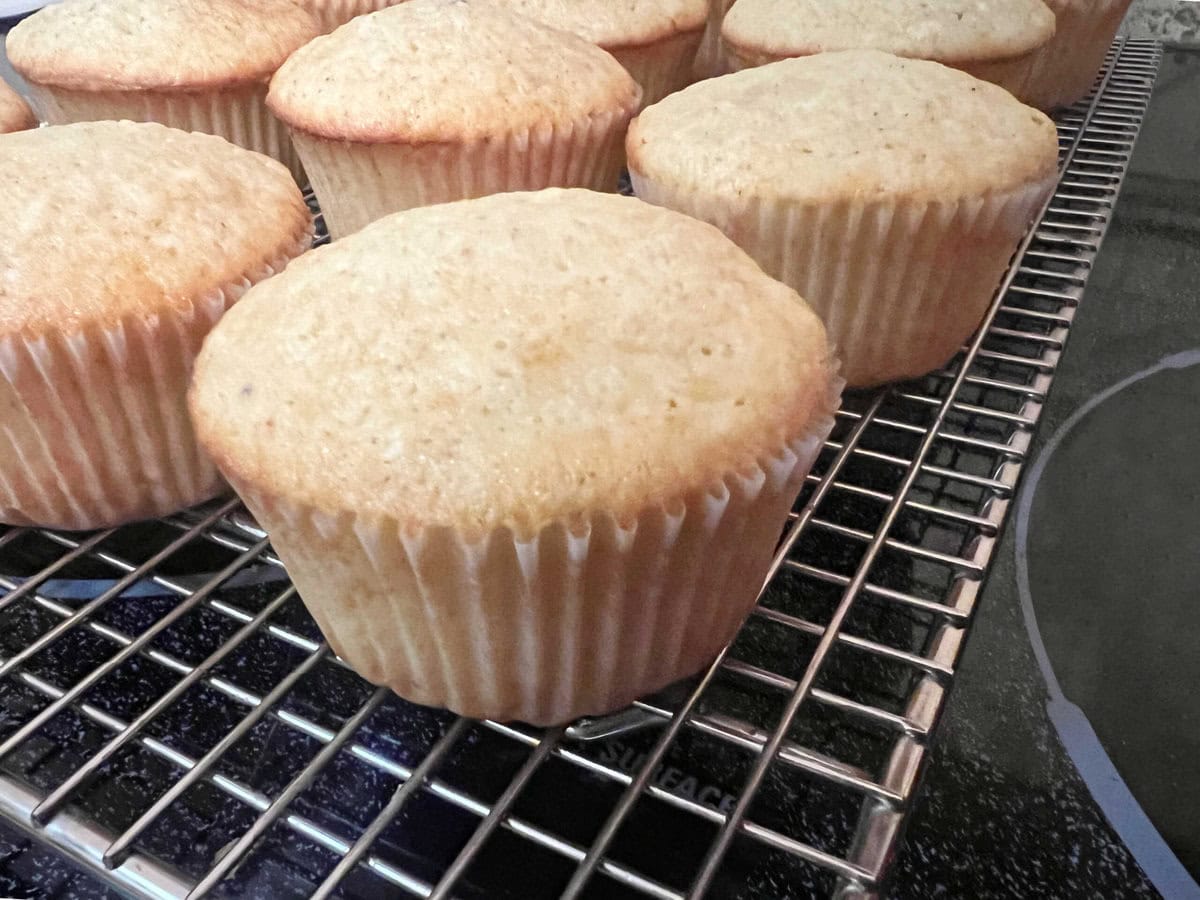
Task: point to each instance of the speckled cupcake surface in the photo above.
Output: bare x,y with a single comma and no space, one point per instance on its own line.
839,125
99,45
947,31
995,40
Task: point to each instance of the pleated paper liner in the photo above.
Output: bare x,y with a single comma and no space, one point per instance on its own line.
333,14
578,617
661,67
357,183
1065,68
900,284
238,113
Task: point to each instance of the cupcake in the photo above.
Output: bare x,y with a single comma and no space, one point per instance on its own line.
15,114
125,243
1065,69
890,193
996,40
524,483
438,100
198,65
655,40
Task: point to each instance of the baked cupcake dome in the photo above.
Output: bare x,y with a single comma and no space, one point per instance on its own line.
655,40
890,193
197,65
15,114
995,40
439,100
527,484
125,243
1065,68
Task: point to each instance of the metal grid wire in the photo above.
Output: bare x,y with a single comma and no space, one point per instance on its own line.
188,735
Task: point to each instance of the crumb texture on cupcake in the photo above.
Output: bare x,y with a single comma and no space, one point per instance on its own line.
111,219
948,31
429,71
856,124
585,384
616,23
15,114
97,45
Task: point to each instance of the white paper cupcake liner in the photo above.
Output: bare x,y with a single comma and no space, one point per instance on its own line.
710,57
357,183
662,67
899,284
1014,74
576,618
238,114
1064,70
333,14
96,431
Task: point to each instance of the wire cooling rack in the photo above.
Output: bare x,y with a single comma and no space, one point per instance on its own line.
185,734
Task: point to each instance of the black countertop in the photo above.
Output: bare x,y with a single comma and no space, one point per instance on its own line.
1006,811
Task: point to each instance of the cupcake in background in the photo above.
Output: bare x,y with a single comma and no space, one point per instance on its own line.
1065,69
558,482
197,65
890,193
995,40
124,243
655,40
439,100
15,114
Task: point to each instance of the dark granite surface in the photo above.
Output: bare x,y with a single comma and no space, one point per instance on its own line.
1164,20
1128,657
1005,812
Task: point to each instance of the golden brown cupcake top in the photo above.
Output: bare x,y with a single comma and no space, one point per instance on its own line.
853,125
446,71
616,24
948,31
15,114
157,44
499,361
110,219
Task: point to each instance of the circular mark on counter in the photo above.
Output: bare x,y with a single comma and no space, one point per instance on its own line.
1108,567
